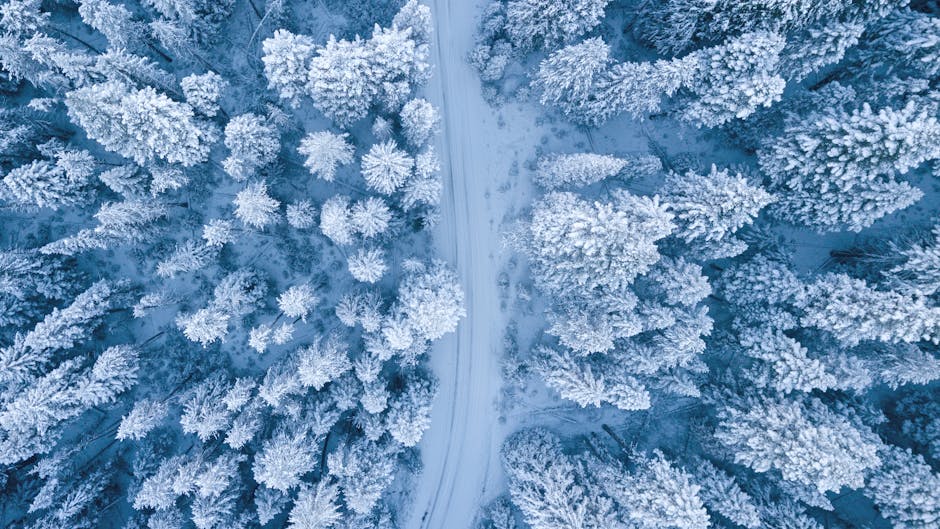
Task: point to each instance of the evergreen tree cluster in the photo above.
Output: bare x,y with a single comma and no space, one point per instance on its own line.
739,383
198,328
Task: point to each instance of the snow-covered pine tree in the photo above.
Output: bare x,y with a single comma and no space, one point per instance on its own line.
339,80
419,122
325,151
323,361
370,217
363,469
409,412
255,207
298,300
203,91
301,215
367,265
386,168
284,458
253,142
335,220
286,64
431,301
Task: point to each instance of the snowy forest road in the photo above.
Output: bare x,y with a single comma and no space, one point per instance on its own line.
460,450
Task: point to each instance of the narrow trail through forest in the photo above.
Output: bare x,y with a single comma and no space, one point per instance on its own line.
460,450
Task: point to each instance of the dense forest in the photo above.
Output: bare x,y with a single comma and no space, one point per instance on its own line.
227,286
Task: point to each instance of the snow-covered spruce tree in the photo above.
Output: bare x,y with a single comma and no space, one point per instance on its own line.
638,88
128,222
60,329
905,489
674,26
533,24
576,246
22,17
591,381
817,48
854,312
187,257
906,41
114,21
542,484
561,170
316,507
143,124
733,80
710,208
255,207
59,181
143,418
722,494
569,79
253,142
835,170
286,63
200,20
29,283
325,151
654,494
803,439
30,422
